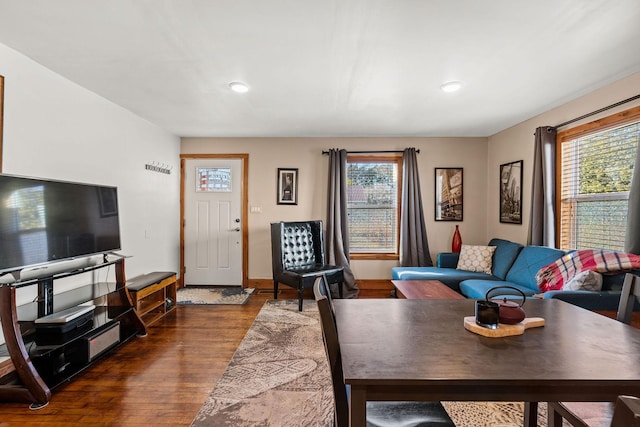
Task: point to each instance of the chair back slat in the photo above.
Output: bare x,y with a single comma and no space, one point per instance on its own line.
630,293
332,348
627,412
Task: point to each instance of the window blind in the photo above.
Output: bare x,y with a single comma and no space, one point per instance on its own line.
372,206
596,177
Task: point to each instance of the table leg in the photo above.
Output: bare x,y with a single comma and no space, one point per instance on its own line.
530,414
358,407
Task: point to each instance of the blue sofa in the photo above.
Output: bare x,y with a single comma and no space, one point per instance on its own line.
514,265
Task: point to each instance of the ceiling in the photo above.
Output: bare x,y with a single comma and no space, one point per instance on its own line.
320,68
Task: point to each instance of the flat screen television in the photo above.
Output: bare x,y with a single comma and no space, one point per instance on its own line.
44,220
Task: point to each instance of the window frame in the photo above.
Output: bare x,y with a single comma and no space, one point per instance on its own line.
622,118
386,158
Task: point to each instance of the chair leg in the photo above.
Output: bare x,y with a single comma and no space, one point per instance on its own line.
554,419
300,297
275,289
340,290
530,414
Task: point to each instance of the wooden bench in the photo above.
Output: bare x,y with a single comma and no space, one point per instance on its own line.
424,289
153,294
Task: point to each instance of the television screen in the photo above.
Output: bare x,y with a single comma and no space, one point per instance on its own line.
44,220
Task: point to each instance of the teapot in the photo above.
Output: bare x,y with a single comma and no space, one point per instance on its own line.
510,311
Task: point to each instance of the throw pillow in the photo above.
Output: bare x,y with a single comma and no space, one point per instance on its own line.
585,281
476,258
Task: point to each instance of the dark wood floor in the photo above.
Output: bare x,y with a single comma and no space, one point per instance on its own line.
162,379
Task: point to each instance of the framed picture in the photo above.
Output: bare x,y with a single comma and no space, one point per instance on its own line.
511,192
448,194
287,186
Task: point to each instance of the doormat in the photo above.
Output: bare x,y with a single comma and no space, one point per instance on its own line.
235,295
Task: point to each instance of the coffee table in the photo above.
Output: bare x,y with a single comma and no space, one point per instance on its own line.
418,349
424,289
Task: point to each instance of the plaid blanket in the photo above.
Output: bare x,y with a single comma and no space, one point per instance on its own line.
555,275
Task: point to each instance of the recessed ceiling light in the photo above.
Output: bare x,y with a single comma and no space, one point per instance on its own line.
451,86
239,87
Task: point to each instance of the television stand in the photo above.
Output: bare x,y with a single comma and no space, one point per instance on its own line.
35,368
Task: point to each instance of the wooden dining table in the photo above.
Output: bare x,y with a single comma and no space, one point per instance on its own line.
404,349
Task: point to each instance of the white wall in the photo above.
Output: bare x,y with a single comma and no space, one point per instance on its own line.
516,143
55,129
266,155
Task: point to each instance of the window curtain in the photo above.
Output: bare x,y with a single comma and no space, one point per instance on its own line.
414,248
542,224
337,242
632,237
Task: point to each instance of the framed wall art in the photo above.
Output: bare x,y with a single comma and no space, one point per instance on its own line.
511,192
448,194
287,186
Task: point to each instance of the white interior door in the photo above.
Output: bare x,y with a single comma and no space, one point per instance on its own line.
212,228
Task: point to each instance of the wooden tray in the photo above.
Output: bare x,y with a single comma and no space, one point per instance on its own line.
503,330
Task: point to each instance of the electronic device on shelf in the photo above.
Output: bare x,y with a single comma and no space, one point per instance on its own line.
65,325
65,316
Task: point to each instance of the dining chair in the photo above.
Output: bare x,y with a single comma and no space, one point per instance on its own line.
592,414
298,258
627,412
379,414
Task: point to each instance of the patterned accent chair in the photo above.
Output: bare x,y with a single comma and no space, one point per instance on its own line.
297,250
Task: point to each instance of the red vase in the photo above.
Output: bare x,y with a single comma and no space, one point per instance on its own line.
456,243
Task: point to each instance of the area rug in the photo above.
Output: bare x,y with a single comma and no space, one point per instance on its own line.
235,295
279,377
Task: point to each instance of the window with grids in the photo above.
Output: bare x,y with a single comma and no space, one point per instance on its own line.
596,170
373,200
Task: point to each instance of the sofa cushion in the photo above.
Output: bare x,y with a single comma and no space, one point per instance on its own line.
529,261
477,289
476,258
504,256
449,276
448,259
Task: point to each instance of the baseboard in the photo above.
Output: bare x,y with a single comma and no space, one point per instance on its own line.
367,284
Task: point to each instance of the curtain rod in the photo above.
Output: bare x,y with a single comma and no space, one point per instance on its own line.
593,113
373,152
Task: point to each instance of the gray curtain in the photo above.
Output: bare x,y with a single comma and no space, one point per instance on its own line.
632,239
542,224
414,248
337,241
